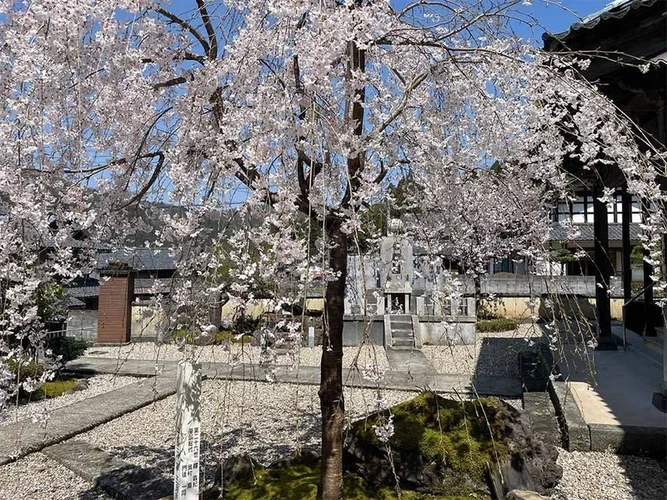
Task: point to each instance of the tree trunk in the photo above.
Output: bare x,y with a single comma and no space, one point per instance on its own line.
332,403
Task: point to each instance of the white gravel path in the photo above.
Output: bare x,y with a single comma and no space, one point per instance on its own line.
492,354
269,421
597,476
369,355
37,477
99,384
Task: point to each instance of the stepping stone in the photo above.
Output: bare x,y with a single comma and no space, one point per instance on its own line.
113,475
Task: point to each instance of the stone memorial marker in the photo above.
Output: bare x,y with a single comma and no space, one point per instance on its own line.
311,336
188,431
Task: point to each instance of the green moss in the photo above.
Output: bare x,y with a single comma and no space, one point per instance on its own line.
453,434
56,388
299,482
496,325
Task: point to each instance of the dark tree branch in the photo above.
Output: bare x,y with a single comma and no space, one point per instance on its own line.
186,26
212,39
156,173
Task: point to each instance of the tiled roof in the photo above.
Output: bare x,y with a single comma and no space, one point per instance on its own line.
140,259
74,302
149,286
83,292
560,232
617,9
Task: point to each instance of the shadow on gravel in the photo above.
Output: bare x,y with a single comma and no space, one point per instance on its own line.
646,476
499,356
129,481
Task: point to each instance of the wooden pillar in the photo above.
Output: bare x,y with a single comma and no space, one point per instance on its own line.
602,271
114,315
626,204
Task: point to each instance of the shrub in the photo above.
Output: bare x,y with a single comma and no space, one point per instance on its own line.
183,334
496,325
69,348
226,335
25,368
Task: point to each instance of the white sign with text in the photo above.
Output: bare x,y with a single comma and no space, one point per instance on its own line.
188,432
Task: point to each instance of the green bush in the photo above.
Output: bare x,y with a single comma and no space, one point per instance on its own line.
69,348
496,325
226,335
183,334
25,368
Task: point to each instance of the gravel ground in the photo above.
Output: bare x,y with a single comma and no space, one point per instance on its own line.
492,354
97,385
37,477
596,476
269,421
369,355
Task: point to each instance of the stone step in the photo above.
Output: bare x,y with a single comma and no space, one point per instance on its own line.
400,317
402,342
108,472
401,333
401,325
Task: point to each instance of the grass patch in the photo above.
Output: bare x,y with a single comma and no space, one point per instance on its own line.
299,482
57,388
496,325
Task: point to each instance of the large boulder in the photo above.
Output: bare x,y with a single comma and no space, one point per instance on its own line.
441,446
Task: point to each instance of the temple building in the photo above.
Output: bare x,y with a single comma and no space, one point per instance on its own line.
627,45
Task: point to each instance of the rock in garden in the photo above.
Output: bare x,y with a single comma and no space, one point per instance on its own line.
446,447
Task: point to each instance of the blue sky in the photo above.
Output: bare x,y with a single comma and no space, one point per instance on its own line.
549,14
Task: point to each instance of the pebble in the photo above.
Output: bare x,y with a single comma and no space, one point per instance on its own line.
98,384
494,353
268,421
367,356
37,477
595,475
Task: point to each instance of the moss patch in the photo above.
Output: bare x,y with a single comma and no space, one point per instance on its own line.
299,482
57,388
449,444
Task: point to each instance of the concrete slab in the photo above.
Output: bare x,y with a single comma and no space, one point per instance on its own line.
394,380
409,361
113,475
575,431
542,417
614,387
21,438
629,440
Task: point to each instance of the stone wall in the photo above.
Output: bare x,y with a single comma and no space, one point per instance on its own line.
354,330
439,333
517,307
148,323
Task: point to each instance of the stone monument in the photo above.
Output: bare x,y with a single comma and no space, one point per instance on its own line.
188,431
396,268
